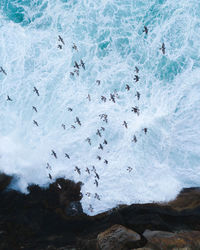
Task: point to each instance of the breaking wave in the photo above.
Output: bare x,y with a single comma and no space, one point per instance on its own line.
110,40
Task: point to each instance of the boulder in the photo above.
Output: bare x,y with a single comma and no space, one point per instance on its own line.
118,238
158,240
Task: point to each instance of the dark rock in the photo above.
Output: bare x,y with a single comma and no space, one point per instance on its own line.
74,209
158,240
60,248
5,180
39,218
188,198
118,238
90,244
53,217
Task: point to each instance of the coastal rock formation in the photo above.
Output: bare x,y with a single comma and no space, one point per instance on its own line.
52,218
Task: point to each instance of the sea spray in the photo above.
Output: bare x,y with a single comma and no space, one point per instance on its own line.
110,40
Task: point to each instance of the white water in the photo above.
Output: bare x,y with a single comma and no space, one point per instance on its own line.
110,41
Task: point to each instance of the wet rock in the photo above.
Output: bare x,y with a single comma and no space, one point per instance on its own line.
90,244
38,219
59,248
74,209
158,240
53,217
4,181
188,198
117,238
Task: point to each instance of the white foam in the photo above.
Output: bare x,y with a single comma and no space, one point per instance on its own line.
164,160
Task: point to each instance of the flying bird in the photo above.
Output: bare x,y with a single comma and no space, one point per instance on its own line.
91,209
98,133
104,117
35,123
82,64
127,87
88,140
74,47
76,71
163,48
125,124
145,130
66,155
8,98
89,98
98,82
136,69
36,91
97,176
93,168
136,78
105,142
100,146
112,98
87,170
78,121
134,139
77,170
98,157
138,95
76,65
97,196
54,153
48,166
96,183
136,110
102,129
34,108
129,169
145,30
61,40
103,98
3,71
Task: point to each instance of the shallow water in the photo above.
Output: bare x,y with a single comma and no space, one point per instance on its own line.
110,41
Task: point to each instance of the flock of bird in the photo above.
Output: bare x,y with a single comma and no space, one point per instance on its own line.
103,117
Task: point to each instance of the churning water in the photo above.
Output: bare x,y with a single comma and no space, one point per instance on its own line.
111,42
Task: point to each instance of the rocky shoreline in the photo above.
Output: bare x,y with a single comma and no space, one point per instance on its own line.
53,218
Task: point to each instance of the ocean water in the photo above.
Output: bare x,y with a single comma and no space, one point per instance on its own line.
111,42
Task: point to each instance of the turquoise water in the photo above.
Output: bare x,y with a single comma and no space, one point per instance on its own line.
110,40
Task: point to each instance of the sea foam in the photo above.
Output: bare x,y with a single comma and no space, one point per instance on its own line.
110,40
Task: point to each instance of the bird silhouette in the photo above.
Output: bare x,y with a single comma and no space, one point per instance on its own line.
35,123
8,98
61,40
66,155
34,108
145,30
54,153
163,48
36,91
